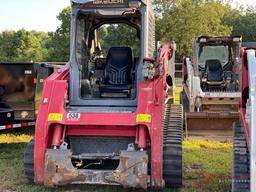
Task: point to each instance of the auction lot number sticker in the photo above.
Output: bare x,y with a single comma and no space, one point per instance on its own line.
73,116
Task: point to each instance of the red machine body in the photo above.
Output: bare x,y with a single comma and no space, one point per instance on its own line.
245,91
244,174
107,117
144,125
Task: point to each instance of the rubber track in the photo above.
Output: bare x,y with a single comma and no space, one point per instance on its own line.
241,161
29,161
184,101
172,145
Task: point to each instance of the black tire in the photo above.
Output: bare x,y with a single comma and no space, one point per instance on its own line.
172,146
241,161
29,161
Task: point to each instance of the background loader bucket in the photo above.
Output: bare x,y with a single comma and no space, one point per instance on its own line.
210,125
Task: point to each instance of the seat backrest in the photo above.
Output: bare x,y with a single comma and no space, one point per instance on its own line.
119,66
214,70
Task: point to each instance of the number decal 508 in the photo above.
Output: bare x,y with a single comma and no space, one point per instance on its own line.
73,116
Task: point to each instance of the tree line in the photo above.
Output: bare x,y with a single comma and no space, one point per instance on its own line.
29,46
176,20
184,20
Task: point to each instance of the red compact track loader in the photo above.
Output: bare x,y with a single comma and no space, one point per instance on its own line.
106,117
244,149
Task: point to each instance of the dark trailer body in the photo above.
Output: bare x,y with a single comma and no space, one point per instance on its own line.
20,88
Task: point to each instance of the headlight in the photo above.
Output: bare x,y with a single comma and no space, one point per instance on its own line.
134,4
203,40
236,39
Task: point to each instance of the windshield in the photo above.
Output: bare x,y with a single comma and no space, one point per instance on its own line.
107,53
213,52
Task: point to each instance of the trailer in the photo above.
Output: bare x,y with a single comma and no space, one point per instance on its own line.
20,90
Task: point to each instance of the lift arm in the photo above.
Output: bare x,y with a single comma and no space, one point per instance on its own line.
252,110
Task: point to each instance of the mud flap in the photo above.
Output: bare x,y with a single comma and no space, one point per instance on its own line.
131,172
210,125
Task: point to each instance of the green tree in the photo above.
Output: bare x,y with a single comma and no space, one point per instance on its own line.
184,20
176,20
59,47
6,45
119,35
243,23
23,46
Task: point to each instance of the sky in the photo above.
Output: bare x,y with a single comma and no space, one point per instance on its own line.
37,15
244,2
41,15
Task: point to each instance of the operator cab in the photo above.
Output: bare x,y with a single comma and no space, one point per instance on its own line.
218,63
106,56
107,51
110,68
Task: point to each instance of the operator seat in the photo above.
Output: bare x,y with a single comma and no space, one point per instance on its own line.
214,71
118,73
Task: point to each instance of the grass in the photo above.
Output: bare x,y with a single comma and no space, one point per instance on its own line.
207,166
